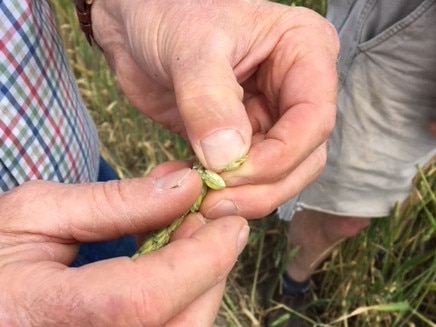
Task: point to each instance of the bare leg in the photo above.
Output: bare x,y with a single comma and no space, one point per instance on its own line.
317,234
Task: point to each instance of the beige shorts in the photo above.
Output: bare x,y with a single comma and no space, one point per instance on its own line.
386,101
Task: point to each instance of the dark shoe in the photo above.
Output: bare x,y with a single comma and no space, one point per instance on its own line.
290,312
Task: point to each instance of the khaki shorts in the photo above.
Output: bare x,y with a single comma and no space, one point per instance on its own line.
386,101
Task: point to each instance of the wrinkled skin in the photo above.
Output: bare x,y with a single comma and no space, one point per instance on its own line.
42,224
234,77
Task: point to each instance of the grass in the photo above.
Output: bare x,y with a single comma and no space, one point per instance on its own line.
383,277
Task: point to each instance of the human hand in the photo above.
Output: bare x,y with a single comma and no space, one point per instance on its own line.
41,224
235,77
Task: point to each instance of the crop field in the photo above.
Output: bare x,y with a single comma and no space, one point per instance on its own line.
383,277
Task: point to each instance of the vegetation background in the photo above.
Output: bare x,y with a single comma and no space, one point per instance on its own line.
383,277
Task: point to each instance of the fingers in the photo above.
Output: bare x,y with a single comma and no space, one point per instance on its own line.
297,79
100,211
210,103
303,89
203,311
257,201
148,291
208,93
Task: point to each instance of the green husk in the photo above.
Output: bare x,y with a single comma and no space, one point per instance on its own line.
211,180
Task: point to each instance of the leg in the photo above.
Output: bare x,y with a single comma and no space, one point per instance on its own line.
317,233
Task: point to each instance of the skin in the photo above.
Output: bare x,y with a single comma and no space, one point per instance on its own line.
40,230
433,128
233,77
326,232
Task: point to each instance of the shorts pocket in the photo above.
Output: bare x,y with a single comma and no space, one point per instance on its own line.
411,24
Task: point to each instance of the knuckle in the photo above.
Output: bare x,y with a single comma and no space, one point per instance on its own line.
18,202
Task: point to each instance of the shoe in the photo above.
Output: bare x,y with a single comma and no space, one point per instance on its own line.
289,313
289,310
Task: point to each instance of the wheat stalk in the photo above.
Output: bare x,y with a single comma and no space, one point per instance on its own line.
211,180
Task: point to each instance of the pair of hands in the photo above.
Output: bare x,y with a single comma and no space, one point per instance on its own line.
234,77
180,285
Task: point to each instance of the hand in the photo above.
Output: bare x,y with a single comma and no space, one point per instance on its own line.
235,77
41,224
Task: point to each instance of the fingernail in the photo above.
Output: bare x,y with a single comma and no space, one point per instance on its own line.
172,180
243,238
223,208
222,148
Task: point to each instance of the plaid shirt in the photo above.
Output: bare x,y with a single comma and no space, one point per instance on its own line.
45,129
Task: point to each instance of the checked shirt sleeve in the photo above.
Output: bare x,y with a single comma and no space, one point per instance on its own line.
45,129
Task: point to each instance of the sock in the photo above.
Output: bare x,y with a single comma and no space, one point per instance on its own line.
291,287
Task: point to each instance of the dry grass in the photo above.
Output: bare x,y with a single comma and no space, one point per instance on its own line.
384,277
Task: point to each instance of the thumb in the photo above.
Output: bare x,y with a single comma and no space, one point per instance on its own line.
99,211
210,103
